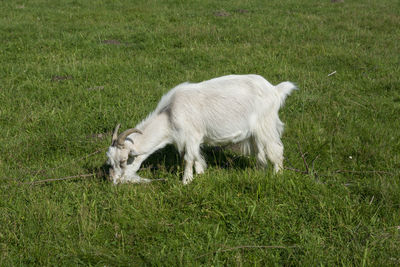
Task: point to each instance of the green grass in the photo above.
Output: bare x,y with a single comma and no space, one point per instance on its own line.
71,70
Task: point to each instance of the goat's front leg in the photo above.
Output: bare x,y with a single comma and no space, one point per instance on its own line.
131,170
136,179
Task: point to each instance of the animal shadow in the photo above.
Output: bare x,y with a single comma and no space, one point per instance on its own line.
169,160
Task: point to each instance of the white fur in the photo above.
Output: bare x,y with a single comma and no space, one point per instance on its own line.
230,109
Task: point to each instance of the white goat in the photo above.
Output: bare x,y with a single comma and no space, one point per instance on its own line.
230,109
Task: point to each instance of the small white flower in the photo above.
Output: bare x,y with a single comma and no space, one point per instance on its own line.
350,157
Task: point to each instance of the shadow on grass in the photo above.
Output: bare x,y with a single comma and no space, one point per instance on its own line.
169,160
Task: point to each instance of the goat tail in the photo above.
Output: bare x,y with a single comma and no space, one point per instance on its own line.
284,89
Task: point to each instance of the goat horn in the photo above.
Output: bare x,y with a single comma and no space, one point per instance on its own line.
115,134
124,135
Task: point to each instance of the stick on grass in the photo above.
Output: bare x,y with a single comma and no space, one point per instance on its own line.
245,247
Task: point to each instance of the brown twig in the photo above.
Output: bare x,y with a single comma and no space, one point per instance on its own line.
245,247
60,179
291,168
366,171
304,159
307,169
314,173
45,172
295,170
313,162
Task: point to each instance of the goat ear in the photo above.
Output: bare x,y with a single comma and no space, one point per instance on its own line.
124,135
115,135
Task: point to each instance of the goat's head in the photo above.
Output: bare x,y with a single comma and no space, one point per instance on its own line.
118,153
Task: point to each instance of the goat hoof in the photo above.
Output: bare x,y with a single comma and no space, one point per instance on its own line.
186,181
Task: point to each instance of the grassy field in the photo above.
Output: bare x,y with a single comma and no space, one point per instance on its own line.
71,70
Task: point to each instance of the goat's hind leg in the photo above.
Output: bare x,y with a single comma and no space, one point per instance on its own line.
268,142
188,174
261,158
200,164
275,154
273,150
